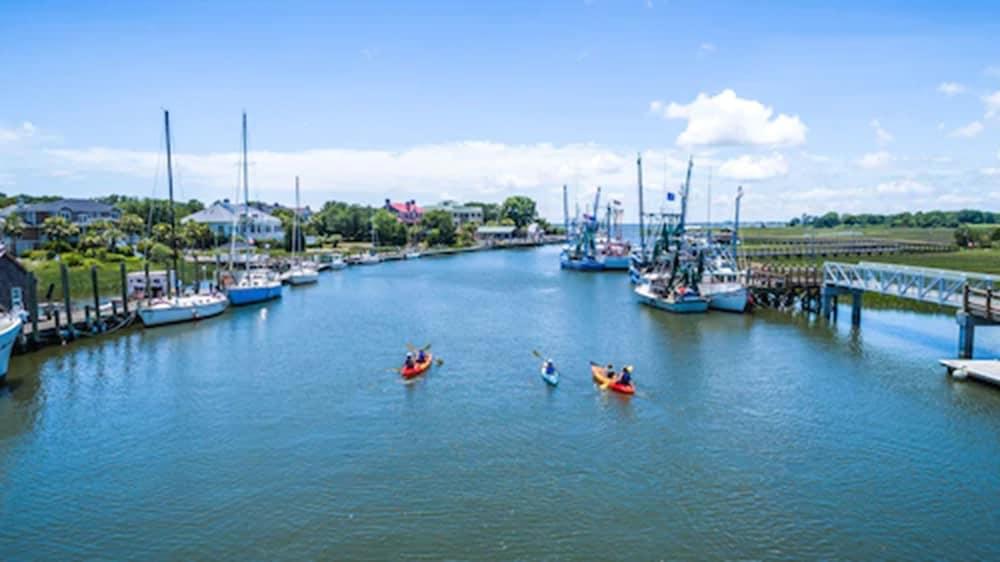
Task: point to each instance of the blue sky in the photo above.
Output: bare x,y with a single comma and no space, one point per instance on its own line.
857,106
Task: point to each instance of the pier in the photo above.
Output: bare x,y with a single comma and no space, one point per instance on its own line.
815,248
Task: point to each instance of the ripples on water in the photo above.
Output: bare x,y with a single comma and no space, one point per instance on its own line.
276,432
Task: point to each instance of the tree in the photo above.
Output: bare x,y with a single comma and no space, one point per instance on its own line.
829,220
13,227
467,234
59,230
390,231
161,233
132,225
195,235
963,236
519,209
439,228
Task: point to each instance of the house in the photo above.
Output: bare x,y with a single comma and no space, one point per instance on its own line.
305,213
460,214
13,282
406,212
491,234
223,217
81,212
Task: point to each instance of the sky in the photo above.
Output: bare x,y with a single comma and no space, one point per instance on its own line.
877,106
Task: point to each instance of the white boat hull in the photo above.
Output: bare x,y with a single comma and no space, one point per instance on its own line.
11,329
303,276
730,297
182,309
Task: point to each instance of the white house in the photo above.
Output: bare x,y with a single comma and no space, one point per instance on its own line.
223,217
460,214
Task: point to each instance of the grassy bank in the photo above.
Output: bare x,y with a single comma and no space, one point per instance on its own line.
109,285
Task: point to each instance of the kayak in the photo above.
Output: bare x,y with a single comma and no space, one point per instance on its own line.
552,379
417,369
601,376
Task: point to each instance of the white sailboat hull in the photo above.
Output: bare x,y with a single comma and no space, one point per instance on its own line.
11,328
303,276
182,309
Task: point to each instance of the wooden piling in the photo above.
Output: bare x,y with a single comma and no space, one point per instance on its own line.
97,294
67,300
124,276
33,307
148,289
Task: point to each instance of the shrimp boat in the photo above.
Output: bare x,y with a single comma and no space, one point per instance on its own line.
301,273
580,252
10,328
680,299
613,250
251,286
186,308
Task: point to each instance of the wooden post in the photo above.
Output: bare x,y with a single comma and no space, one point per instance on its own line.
856,300
124,276
989,303
114,308
33,307
86,314
966,335
97,293
64,274
148,289
965,297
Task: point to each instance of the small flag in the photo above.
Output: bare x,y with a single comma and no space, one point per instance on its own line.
671,196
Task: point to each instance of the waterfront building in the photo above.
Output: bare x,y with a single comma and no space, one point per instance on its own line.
460,214
223,217
13,282
495,233
81,212
407,212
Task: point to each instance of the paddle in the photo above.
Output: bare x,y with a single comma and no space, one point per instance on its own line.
536,354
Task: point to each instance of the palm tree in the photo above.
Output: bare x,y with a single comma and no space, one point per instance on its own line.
13,227
59,229
132,225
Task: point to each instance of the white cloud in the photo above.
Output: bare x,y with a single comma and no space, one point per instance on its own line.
874,160
992,102
968,131
706,48
25,130
726,119
990,171
754,168
951,88
902,187
881,135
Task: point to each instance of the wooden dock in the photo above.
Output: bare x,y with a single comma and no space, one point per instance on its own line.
986,370
799,248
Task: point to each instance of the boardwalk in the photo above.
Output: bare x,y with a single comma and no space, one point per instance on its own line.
778,248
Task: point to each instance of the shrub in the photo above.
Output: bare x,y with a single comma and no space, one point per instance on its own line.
71,259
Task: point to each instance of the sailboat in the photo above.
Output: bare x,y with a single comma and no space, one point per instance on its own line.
175,307
372,257
253,285
300,273
10,328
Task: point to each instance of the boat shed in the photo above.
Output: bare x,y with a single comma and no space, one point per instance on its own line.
13,282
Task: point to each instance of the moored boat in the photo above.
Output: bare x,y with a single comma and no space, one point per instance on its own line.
10,328
302,275
677,300
729,297
159,312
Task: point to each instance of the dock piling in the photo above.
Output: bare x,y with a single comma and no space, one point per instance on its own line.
97,294
67,300
33,307
124,278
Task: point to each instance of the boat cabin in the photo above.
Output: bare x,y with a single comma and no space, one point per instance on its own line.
158,282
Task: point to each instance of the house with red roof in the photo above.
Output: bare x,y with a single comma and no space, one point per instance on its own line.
407,212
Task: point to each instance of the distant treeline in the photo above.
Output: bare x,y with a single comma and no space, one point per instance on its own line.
920,219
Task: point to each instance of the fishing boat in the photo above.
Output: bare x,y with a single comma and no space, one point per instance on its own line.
301,272
10,328
679,300
613,250
250,286
580,252
178,308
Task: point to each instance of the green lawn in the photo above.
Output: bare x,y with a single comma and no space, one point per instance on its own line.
47,273
940,235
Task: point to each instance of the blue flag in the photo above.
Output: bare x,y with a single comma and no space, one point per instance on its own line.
670,196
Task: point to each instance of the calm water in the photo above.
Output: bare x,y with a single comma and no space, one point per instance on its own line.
276,432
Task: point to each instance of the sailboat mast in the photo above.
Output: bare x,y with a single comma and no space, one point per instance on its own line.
736,222
246,197
295,219
173,216
565,211
684,196
708,212
642,225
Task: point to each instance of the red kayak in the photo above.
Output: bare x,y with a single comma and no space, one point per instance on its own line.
417,368
600,375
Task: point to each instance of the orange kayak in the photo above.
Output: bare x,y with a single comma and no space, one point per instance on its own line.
600,375
417,368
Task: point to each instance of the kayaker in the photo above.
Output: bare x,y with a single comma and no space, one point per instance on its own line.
609,371
626,376
421,356
550,367
408,364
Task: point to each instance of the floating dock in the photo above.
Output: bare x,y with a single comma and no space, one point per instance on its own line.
986,370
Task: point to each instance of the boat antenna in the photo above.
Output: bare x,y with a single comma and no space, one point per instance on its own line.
173,216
